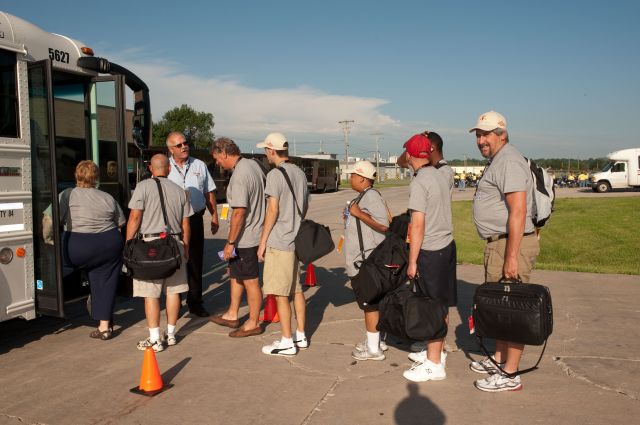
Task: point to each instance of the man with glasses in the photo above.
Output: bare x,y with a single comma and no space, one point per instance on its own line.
502,214
192,175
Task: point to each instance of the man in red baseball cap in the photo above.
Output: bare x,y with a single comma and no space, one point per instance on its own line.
432,250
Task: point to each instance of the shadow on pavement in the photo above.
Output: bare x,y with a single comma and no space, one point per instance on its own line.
172,372
331,289
464,340
417,409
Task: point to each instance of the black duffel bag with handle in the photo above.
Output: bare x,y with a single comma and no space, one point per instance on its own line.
313,240
409,315
513,311
155,259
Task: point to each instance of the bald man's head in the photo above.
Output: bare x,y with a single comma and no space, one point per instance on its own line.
159,165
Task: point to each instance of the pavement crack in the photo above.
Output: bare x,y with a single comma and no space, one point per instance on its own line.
323,400
573,374
21,420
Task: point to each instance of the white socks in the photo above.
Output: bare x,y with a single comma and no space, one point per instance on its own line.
171,329
286,342
300,336
154,334
373,341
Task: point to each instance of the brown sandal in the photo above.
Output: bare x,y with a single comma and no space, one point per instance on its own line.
103,335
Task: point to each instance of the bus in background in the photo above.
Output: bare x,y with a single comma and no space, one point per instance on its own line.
59,104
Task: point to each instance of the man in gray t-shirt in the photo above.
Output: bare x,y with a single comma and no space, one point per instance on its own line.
277,248
502,214
245,195
146,218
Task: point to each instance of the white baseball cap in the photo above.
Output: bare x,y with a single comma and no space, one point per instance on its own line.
275,141
364,169
489,121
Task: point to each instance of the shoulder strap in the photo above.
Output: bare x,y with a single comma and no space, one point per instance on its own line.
66,197
286,177
520,372
164,210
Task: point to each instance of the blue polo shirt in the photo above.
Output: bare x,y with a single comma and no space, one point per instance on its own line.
195,179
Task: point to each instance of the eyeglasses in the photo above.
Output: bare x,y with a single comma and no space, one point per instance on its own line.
181,145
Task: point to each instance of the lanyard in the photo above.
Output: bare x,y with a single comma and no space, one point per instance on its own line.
186,171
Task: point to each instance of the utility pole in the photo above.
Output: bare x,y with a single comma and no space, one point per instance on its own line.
321,149
346,128
377,134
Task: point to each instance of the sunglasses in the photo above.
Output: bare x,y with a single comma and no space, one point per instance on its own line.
181,145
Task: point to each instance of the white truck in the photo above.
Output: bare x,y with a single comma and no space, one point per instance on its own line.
621,172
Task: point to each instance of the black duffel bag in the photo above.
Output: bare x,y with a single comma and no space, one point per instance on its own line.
382,271
154,259
513,312
411,316
313,240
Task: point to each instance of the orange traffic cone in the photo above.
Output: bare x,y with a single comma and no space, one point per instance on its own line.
310,275
270,310
150,379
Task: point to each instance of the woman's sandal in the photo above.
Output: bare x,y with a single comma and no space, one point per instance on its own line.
103,335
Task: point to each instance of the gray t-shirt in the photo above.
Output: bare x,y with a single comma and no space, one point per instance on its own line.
246,190
508,172
147,199
373,204
89,210
284,231
429,193
448,172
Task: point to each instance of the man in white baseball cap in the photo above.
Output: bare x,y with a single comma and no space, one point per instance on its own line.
275,141
502,214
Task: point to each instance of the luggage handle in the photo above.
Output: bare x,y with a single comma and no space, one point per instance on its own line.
507,280
519,372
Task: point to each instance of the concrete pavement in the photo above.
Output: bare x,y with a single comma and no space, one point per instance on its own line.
51,372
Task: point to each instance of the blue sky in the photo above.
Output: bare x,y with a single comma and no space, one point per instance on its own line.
565,74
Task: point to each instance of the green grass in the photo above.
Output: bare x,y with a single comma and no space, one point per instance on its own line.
585,235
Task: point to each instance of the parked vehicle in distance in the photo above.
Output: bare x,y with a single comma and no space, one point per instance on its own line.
621,172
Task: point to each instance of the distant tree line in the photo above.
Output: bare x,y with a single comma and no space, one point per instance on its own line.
196,126
559,164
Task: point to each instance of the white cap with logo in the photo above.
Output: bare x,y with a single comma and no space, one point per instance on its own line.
489,121
275,141
364,169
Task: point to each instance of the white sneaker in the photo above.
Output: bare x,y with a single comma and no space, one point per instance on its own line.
156,345
367,355
276,349
499,382
170,339
422,356
427,371
302,344
484,366
362,346
418,346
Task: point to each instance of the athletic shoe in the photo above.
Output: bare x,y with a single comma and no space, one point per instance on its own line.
418,346
302,344
367,355
498,382
156,345
362,346
170,339
484,366
276,349
427,371
422,356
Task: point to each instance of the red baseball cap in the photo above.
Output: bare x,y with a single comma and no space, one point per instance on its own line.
418,146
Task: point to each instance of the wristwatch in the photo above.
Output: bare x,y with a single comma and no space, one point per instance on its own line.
231,242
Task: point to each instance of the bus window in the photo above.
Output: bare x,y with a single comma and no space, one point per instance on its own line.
8,95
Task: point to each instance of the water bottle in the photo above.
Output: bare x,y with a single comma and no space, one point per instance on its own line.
346,214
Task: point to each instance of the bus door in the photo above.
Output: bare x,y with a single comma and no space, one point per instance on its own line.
49,294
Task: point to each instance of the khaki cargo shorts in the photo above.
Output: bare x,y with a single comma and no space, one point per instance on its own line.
281,274
494,258
175,284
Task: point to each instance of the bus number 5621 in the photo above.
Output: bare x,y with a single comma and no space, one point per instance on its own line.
58,55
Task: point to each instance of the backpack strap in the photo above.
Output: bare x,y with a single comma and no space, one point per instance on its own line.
164,210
